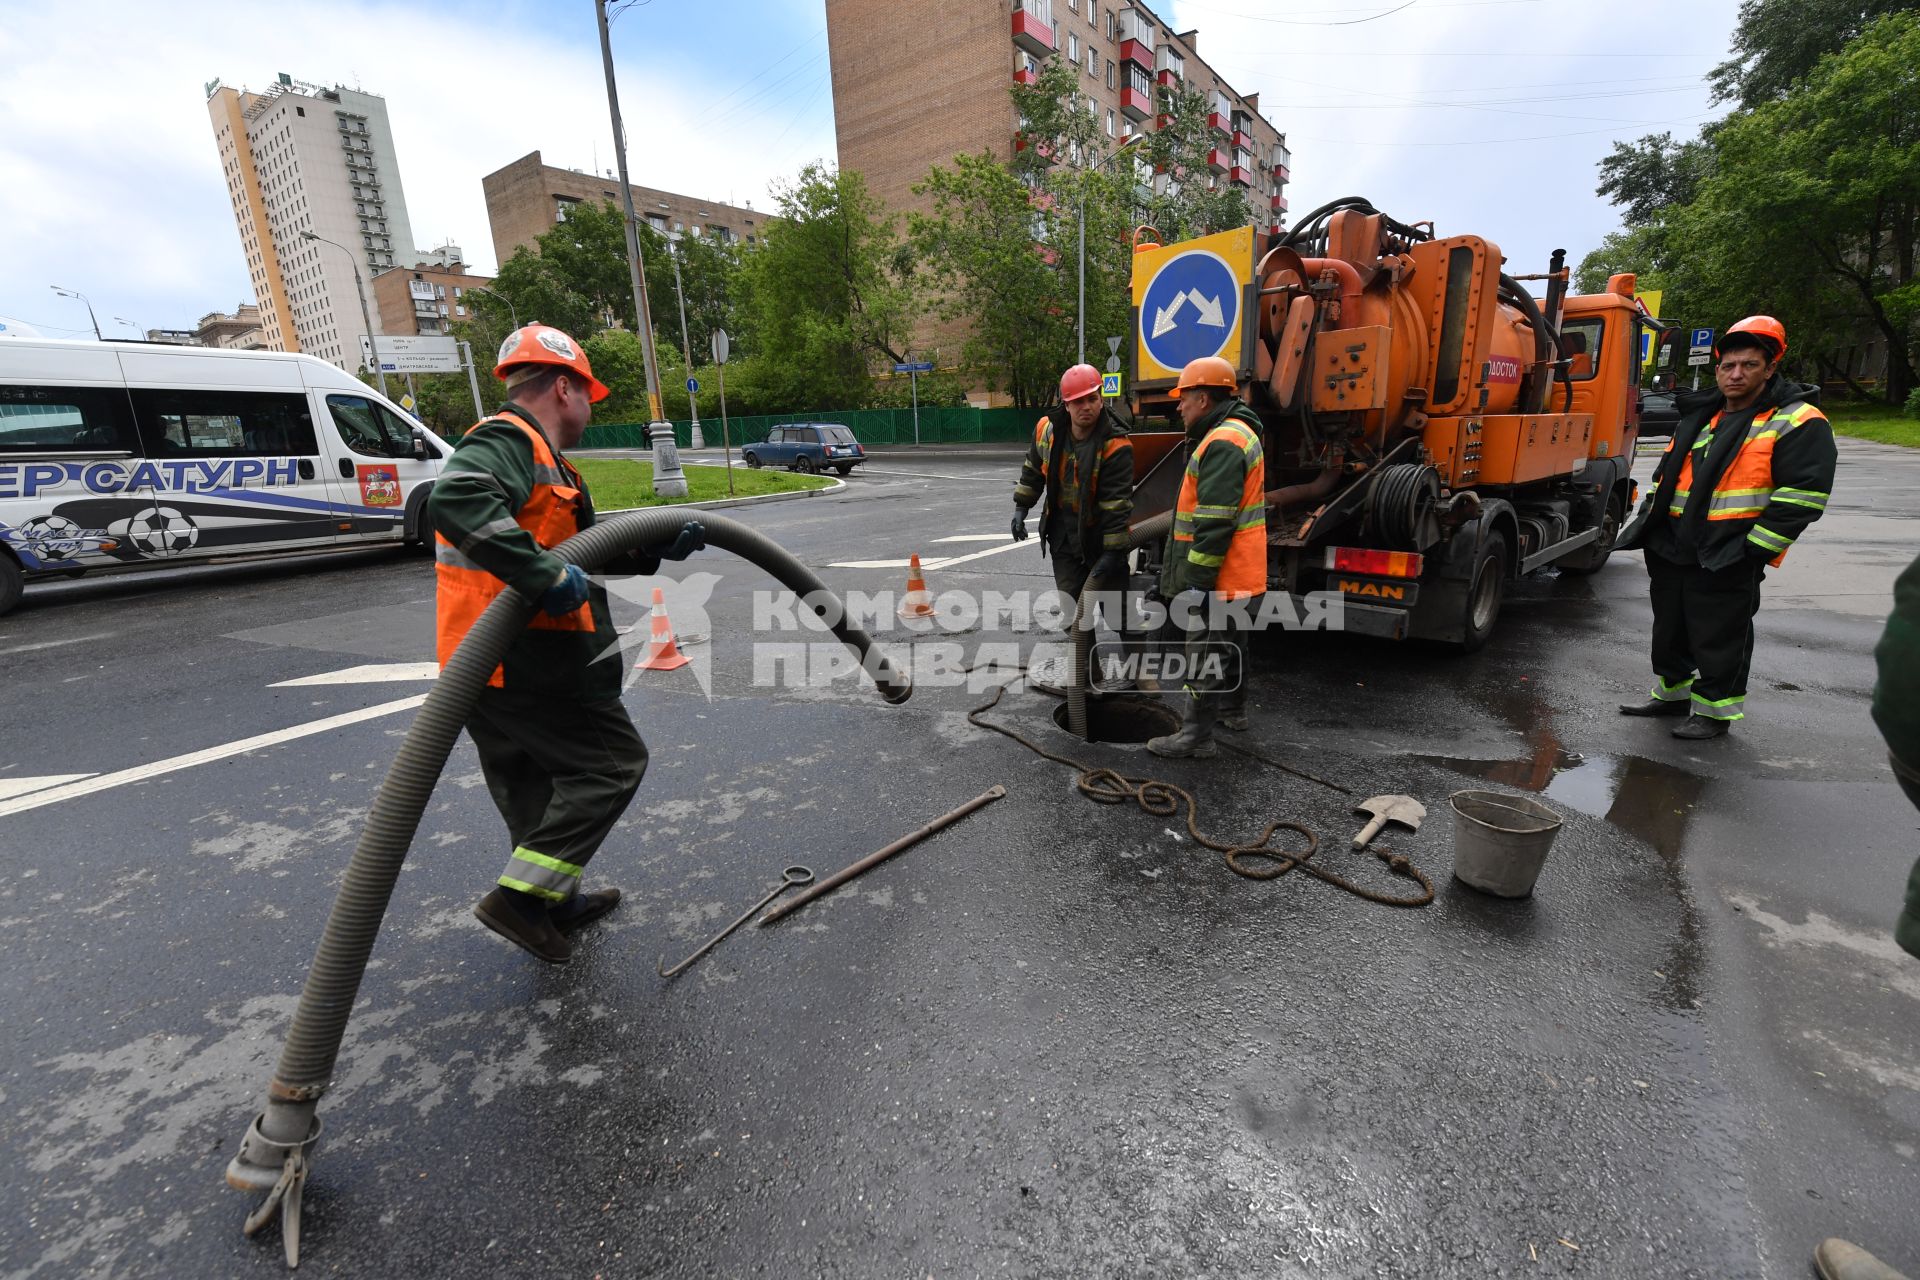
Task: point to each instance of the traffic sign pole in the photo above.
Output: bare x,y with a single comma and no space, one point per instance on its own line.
473,379
722,346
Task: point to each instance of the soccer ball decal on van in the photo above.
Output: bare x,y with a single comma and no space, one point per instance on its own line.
162,531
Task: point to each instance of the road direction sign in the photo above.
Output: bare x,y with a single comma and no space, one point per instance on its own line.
1700,359
406,402
1113,345
1110,385
693,385
917,366
722,346
1188,298
413,354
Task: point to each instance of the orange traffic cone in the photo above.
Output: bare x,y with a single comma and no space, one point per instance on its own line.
919,601
662,653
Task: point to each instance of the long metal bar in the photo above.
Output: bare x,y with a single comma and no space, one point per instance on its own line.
788,878
873,860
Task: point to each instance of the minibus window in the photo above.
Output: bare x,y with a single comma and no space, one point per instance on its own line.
369,428
64,420
258,424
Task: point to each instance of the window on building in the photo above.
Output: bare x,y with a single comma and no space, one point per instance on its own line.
1093,60
1073,48
302,111
1109,73
1109,122
1112,26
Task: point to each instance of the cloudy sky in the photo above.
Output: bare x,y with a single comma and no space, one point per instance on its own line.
1485,115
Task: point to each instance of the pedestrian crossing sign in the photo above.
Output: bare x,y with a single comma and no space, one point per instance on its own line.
1110,385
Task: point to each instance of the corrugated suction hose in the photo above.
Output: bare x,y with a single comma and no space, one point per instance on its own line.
320,1021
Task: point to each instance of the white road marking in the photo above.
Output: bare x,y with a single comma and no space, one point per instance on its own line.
374,673
929,565
55,644
20,786
140,773
975,537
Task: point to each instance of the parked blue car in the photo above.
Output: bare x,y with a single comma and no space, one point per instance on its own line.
807,446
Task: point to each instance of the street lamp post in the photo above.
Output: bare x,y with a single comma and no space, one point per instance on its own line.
73,293
360,291
130,324
511,309
693,399
1116,153
669,481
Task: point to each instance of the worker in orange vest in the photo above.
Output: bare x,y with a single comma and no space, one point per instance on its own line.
1216,550
1081,457
1749,467
560,754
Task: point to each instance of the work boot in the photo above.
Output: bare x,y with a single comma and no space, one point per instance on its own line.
1233,714
1698,727
526,927
1657,707
582,909
1195,737
1836,1259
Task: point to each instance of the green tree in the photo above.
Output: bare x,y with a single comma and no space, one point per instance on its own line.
1185,198
829,292
1645,177
1777,42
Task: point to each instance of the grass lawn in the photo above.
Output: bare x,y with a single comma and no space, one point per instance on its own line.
619,483
1875,422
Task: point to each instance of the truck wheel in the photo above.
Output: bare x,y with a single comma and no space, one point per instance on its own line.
13,583
803,464
1593,557
1486,590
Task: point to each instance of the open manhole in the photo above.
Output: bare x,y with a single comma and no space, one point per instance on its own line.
1123,718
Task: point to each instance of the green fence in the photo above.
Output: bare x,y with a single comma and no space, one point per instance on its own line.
869,426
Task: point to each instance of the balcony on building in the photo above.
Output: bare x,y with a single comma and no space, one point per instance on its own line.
1282,160
1135,31
1243,130
1025,69
1279,203
1239,176
1168,66
1033,26
1136,95
1219,160
1220,114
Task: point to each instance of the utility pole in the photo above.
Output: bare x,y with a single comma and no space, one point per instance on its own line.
693,397
359,291
668,479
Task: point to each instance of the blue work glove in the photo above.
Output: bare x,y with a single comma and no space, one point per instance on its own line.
693,537
568,592
1019,524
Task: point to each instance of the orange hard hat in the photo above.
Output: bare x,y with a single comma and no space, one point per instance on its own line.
1081,380
1766,328
533,345
1208,371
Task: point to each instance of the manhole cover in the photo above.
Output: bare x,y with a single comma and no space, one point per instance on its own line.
1123,719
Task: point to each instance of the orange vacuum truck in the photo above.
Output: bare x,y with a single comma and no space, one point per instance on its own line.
1432,432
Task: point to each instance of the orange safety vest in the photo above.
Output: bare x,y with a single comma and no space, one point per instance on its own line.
1243,570
551,515
1746,485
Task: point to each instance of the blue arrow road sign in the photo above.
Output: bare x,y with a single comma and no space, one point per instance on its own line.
918,366
1702,338
1190,309
693,385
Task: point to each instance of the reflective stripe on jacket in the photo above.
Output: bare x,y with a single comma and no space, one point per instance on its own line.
1220,526
1746,485
551,515
1105,495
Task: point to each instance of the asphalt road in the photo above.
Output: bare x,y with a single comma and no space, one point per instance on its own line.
1057,1040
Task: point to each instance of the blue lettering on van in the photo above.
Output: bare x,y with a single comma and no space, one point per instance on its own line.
31,479
105,477
247,469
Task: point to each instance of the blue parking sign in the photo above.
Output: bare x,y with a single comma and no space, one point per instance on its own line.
1702,338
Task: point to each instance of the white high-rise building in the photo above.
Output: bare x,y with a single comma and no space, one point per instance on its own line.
302,158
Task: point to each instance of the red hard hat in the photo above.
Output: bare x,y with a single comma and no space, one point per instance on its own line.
1763,327
542,344
1208,371
1081,380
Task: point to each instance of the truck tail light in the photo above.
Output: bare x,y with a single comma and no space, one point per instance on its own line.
1379,564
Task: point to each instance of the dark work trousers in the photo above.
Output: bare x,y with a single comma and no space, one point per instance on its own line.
1703,633
1229,687
560,772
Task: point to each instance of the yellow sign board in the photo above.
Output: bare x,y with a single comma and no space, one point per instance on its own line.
1190,301
1650,299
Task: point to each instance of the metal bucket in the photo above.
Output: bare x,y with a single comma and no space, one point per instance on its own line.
1500,842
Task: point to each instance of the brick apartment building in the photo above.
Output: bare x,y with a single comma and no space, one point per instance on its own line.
916,82
526,198
427,297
